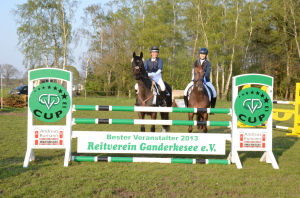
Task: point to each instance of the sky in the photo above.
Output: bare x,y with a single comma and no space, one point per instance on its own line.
9,53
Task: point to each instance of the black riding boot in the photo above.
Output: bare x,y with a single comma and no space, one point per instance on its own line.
213,104
164,99
185,98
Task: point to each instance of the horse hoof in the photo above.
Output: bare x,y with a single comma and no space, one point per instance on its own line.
166,128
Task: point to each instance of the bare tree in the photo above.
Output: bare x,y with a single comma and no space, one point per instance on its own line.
8,72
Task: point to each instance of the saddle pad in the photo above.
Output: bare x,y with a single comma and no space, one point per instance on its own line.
207,89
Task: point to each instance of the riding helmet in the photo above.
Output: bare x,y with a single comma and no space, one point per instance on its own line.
154,49
203,50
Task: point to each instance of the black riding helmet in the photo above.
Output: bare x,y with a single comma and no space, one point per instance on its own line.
203,50
154,49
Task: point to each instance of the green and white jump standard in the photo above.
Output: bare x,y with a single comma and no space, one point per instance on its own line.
49,100
253,107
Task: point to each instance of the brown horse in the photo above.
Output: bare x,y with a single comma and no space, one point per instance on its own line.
199,97
145,94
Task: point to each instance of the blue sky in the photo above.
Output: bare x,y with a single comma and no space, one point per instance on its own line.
9,53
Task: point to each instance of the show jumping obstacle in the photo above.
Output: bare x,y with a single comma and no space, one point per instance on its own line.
50,102
287,114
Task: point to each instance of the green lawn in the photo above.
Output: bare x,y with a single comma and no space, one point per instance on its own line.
47,177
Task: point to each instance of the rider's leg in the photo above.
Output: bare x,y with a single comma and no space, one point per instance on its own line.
214,96
185,93
163,91
136,87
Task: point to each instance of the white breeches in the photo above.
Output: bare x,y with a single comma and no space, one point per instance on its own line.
157,79
209,84
187,88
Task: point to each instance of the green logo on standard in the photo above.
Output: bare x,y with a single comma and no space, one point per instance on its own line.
253,106
49,102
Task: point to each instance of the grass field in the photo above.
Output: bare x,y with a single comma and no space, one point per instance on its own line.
47,177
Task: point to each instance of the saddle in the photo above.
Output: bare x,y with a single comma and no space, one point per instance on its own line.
155,88
208,89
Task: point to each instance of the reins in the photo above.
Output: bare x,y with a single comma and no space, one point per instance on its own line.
141,74
144,101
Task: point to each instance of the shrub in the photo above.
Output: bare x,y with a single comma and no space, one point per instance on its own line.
18,101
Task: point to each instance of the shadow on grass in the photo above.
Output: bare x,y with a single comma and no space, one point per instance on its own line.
13,166
10,167
280,145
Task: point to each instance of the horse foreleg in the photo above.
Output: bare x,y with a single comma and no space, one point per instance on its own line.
142,116
205,118
153,117
165,116
200,127
191,117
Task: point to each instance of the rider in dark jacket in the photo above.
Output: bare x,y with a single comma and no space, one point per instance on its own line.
207,68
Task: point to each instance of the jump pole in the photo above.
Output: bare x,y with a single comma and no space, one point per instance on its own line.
151,109
144,159
150,122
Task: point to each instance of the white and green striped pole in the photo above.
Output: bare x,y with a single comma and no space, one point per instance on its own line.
150,122
144,159
151,109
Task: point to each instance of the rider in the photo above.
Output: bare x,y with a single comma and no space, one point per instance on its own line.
153,67
207,67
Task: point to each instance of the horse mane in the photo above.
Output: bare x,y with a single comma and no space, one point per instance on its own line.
196,65
144,78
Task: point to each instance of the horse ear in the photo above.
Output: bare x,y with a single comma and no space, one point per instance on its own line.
141,55
196,64
133,54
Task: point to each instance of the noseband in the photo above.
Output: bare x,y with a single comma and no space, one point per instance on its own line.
200,87
138,73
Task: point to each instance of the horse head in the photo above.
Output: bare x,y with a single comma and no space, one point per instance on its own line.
137,65
199,76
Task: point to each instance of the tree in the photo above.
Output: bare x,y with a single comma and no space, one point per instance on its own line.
45,29
8,72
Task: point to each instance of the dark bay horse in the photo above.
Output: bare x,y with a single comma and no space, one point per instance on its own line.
145,94
199,97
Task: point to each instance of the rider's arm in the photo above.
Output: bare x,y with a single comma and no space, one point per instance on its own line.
156,73
160,66
146,65
193,72
207,69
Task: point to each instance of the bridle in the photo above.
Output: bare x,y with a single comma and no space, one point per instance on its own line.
137,65
197,82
